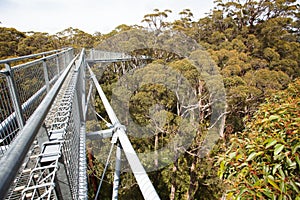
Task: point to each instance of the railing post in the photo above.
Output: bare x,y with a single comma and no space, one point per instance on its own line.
14,96
71,52
57,64
68,56
64,60
92,54
46,75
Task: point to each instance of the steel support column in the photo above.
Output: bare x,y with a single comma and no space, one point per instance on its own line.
14,95
117,172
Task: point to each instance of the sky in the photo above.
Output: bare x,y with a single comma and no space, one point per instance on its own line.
91,16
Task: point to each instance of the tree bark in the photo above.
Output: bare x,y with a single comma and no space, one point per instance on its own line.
155,151
193,181
91,165
173,179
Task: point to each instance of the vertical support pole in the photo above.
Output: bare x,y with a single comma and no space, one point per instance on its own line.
46,75
117,172
83,68
92,56
88,100
69,56
57,64
64,60
14,96
71,53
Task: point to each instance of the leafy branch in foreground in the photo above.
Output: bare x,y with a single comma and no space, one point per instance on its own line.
263,162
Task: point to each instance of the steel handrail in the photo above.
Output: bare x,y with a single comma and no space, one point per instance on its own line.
9,60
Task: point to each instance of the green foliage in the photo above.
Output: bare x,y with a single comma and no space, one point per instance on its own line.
148,96
35,43
75,38
156,21
16,43
9,39
263,161
255,45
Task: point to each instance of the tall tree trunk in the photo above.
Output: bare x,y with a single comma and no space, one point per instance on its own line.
200,102
193,181
173,179
91,165
155,150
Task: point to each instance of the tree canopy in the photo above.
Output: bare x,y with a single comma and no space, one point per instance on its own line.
255,47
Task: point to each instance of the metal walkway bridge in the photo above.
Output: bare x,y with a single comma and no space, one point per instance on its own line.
44,100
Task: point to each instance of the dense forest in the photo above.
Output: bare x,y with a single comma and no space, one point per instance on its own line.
255,45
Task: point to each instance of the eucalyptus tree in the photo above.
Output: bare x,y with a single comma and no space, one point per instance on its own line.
9,40
157,21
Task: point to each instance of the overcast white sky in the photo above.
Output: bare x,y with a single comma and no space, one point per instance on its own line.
90,16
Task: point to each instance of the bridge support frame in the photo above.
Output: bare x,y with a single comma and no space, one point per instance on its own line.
117,173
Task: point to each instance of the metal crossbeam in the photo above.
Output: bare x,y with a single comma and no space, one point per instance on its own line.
107,133
110,60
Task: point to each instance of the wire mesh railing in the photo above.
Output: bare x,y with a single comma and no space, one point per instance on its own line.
12,160
66,134
23,87
74,142
28,80
105,55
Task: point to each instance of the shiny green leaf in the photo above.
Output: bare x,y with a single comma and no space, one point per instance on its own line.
281,173
271,143
295,148
278,149
290,163
297,160
274,117
251,156
275,168
232,155
272,182
282,186
268,193
295,187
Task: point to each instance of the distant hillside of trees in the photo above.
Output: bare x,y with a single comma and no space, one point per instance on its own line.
256,46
